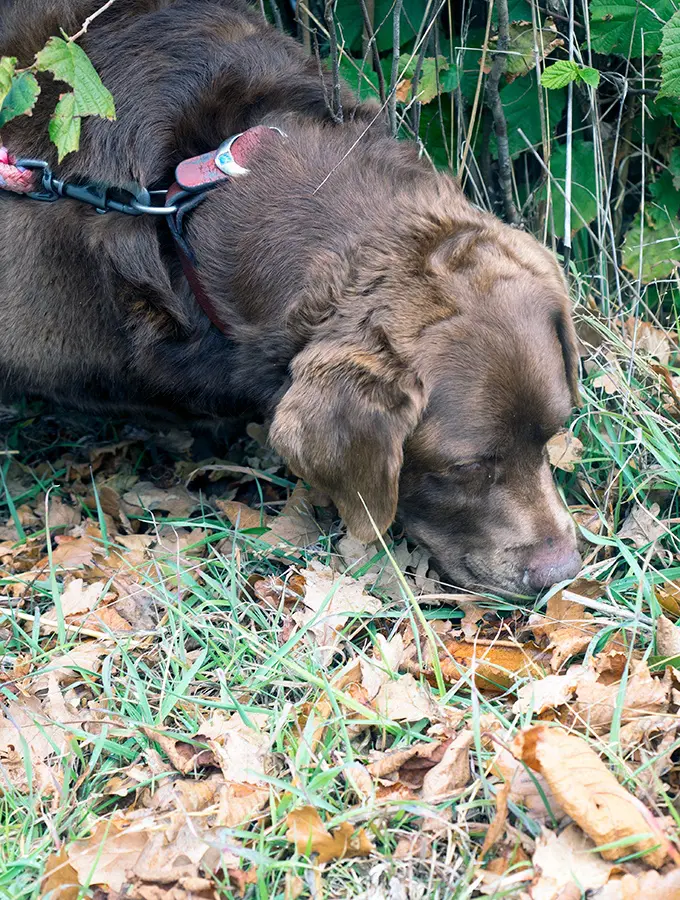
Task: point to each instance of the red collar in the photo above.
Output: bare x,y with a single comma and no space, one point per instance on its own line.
194,177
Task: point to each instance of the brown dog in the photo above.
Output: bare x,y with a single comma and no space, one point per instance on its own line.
413,352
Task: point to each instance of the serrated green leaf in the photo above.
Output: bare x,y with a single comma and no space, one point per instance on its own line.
559,74
7,66
617,26
670,58
21,97
660,249
68,62
589,76
65,126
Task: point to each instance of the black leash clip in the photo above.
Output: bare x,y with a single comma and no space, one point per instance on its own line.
127,202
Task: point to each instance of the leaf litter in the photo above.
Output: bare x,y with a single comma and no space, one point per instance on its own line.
327,731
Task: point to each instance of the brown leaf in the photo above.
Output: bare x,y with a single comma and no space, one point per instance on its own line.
378,669
548,693
566,627
498,664
330,601
310,835
111,851
667,638
642,526
586,789
60,881
644,336
405,700
61,514
564,451
668,595
566,859
596,701
452,774
392,761
643,887
64,668
77,598
145,496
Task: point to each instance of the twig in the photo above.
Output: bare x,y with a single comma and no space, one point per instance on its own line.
415,81
335,65
276,12
496,107
90,19
371,44
570,147
392,103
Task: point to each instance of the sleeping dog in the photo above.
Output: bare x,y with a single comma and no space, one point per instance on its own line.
412,353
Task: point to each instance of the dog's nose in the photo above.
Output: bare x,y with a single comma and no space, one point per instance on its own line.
556,559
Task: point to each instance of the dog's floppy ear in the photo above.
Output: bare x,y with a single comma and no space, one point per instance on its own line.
341,426
566,334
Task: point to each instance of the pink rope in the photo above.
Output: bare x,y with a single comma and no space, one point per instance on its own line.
14,178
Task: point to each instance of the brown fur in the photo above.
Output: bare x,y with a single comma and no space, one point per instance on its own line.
413,352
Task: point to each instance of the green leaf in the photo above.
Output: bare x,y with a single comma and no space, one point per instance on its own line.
564,71
428,82
674,167
520,105
361,79
660,249
65,126
7,66
559,74
21,97
351,23
589,76
617,26
68,62
670,58
583,186
665,198
668,106
521,58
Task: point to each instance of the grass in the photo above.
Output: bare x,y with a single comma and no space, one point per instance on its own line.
214,645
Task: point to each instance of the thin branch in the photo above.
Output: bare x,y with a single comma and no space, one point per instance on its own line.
335,62
90,19
392,103
371,44
496,106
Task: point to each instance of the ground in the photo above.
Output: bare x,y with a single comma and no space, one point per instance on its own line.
208,691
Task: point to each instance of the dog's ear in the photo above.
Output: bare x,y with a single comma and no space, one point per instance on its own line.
341,426
566,334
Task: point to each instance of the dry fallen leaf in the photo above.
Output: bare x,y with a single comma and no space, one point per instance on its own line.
405,700
597,700
667,638
644,336
310,835
330,601
642,526
586,789
564,451
60,881
146,497
78,598
566,627
452,773
566,859
548,693
643,887
497,664
107,856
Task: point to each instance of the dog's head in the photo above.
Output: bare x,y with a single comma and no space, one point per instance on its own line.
433,392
